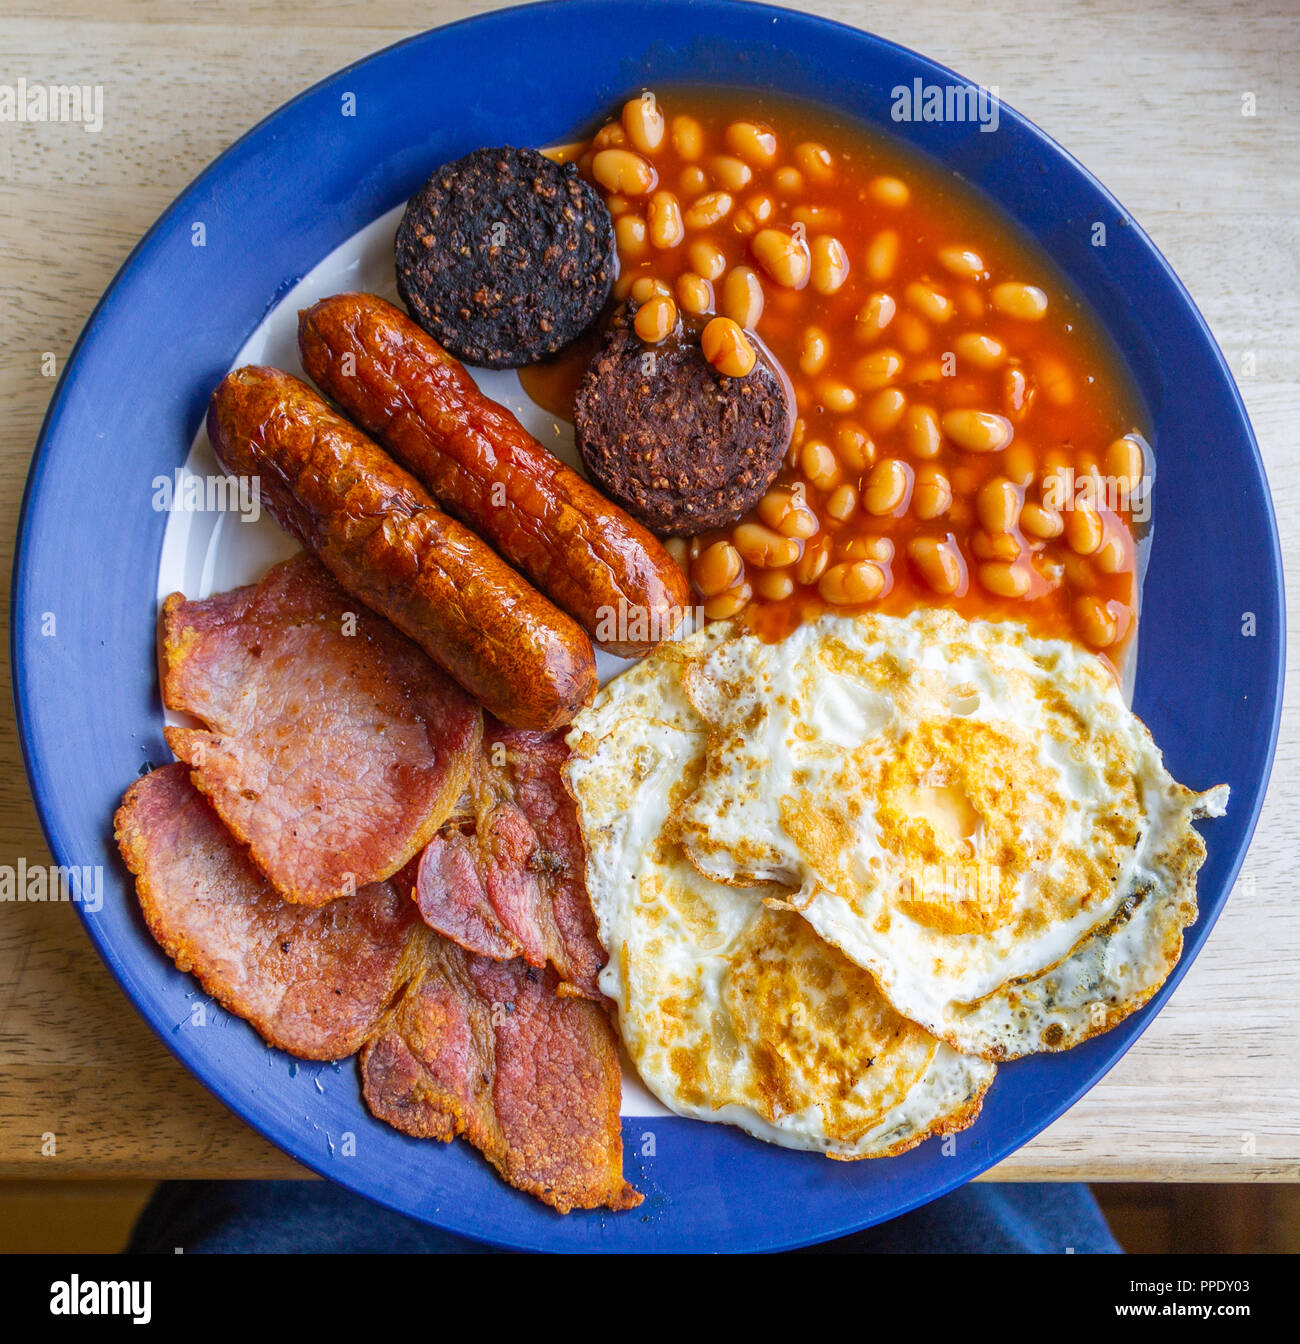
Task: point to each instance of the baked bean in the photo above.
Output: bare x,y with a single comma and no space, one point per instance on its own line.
814,161
994,545
932,304
1054,378
854,447
716,569
962,261
970,302
1083,530
830,264
783,256
617,205
814,351
811,565
911,333
728,604
997,505
890,191
708,260
646,287
760,206
1003,579
836,396
727,348
742,296
926,371
774,584
882,255
731,174
692,181
879,549
820,217
610,135
1111,557
655,319
932,494
680,552
939,562
744,224
761,546
885,410
752,141
978,431
874,316
694,293
1045,524
887,488
644,123
1124,464
1019,463
787,512
687,136
788,181
1095,621
819,464
876,370
1017,393
624,171
851,583
712,207
1026,302
843,503
985,352
664,220
569,153
630,234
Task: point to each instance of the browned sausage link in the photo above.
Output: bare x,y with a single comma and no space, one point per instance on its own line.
480,463
390,546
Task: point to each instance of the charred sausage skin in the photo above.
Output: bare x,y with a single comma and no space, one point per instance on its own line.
389,545
592,559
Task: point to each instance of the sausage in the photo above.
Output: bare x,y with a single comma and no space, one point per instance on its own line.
478,461
389,545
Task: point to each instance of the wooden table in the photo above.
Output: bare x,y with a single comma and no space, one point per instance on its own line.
1150,97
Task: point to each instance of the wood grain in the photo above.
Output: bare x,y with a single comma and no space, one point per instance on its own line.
1148,97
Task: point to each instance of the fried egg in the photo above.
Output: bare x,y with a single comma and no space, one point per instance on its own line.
734,1011
971,814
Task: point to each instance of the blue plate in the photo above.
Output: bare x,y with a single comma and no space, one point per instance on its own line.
1210,671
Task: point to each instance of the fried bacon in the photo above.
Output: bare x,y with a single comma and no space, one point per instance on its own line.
506,876
316,983
490,1050
332,745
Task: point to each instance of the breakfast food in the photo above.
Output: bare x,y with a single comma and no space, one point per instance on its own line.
490,1050
504,878
480,464
680,445
731,1010
880,826
332,746
451,1044
505,257
962,436
316,983
387,543
959,808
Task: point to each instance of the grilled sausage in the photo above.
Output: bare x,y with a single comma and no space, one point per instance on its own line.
390,546
610,574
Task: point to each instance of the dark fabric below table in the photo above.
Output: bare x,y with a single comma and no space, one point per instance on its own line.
266,1217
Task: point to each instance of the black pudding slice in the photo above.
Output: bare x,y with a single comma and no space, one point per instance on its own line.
504,257
682,447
